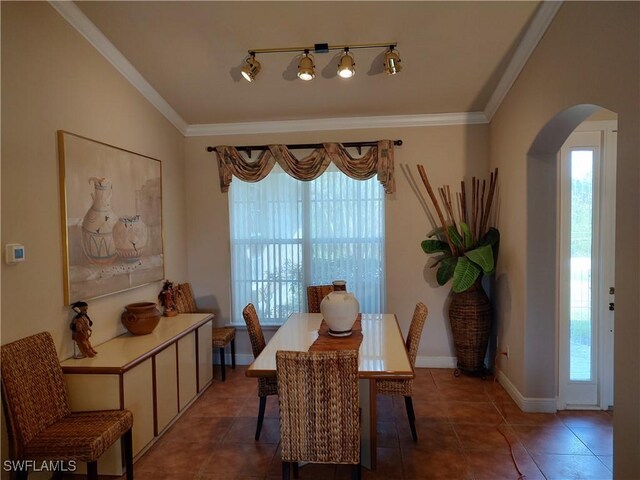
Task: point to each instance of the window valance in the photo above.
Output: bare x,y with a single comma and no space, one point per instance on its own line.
377,160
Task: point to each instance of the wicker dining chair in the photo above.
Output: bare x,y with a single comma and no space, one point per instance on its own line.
40,423
315,294
220,336
405,387
319,409
184,299
266,385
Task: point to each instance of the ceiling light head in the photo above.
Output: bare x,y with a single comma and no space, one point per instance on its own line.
251,69
346,66
306,68
392,61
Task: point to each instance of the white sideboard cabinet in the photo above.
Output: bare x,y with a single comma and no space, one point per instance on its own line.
156,376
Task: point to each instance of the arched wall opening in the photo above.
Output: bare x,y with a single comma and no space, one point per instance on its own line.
540,329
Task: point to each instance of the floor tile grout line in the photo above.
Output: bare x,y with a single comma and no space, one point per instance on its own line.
581,441
536,463
605,465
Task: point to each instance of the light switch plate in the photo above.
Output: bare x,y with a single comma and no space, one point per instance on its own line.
14,253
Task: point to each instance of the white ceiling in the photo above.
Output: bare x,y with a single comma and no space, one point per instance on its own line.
185,56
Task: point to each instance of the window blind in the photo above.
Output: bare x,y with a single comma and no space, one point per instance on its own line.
287,234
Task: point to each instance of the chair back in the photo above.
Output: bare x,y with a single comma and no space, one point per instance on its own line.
315,294
33,388
254,329
415,331
319,406
185,301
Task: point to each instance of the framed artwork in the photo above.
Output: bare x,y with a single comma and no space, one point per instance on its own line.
111,218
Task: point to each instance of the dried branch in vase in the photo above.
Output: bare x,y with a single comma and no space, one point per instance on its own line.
466,245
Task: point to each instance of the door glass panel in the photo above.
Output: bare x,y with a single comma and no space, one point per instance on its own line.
581,322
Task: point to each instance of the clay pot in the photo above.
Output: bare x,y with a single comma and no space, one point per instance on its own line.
141,318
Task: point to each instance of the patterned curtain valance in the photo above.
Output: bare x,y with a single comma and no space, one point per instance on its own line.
377,160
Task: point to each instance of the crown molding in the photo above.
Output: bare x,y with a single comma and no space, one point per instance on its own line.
541,21
74,16
347,123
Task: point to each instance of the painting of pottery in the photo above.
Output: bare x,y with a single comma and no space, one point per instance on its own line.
112,210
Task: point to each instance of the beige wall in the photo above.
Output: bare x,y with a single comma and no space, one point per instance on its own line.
53,79
589,55
448,153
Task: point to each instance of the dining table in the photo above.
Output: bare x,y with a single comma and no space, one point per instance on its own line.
382,355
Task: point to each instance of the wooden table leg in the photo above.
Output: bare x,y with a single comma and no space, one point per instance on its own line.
368,424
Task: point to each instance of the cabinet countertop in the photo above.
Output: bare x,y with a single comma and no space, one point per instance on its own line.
124,352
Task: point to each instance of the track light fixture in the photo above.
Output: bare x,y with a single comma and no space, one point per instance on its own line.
306,66
252,68
392,61
346,65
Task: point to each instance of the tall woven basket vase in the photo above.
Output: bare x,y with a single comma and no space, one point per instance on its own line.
470,317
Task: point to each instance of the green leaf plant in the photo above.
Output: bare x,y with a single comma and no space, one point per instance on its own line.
466,246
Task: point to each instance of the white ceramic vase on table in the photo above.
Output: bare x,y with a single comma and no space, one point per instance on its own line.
340,310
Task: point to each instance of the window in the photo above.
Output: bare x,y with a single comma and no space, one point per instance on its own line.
287,234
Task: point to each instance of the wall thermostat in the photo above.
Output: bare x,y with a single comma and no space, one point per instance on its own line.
14,253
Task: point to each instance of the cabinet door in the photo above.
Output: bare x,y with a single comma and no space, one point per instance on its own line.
187,379
166,380
138,397
205,359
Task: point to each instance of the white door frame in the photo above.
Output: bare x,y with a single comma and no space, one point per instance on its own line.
607,269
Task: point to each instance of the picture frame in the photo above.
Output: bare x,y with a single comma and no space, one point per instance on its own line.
111,209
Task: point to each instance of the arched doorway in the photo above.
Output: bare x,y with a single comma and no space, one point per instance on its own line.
543,251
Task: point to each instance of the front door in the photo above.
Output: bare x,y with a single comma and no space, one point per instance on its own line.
586,267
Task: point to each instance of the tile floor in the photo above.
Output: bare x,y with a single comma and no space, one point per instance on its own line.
467,428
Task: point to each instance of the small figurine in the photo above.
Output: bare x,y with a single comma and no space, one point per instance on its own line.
81,328
167,300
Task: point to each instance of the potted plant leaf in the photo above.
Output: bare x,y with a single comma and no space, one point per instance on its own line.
465,249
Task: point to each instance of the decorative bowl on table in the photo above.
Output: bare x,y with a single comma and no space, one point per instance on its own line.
340,310
141,318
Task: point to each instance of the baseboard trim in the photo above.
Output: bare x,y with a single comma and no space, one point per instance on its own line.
436,362
527,404
241,359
